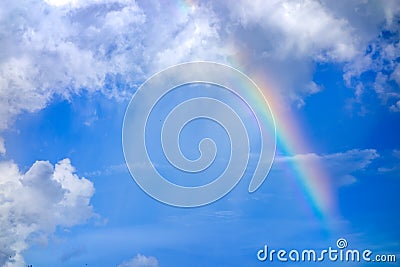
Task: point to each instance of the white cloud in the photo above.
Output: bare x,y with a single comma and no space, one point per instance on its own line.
299,28
380,68
35,203
344,165
287,38
376,67
395,76
366,17
49,51
140,261
395,107
2,146
66,47
391,163
341,166
193,34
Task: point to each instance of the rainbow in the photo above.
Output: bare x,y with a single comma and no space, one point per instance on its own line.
185,6
311,179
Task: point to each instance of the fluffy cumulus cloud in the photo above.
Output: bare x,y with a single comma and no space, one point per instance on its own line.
63,48
48,50
66,47
287,38
299,28
375,69
361,36
140,261
35,203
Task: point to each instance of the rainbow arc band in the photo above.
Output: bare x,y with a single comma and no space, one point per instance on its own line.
148,95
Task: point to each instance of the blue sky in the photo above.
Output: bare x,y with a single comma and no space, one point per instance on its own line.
68,69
